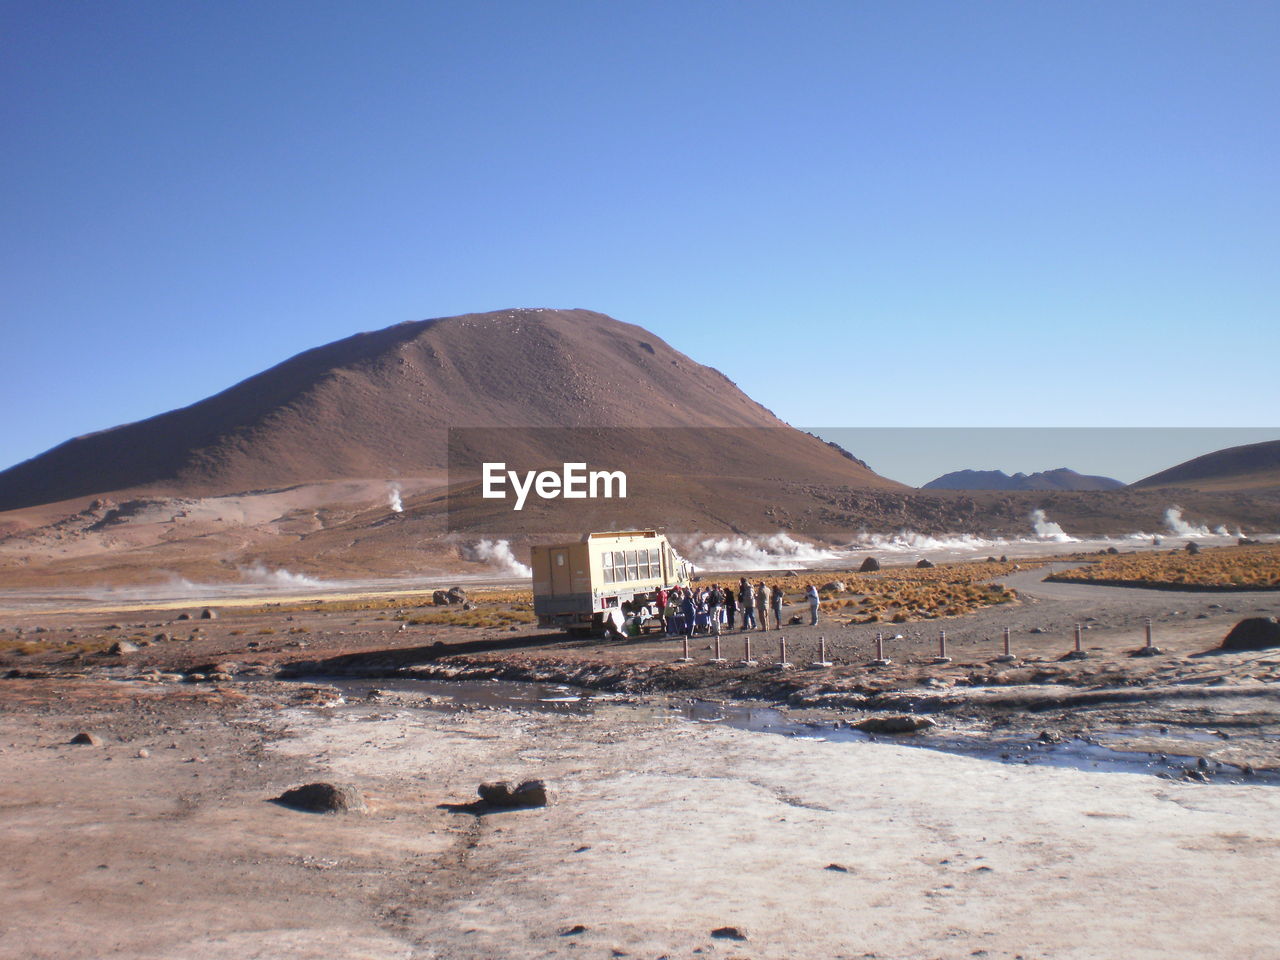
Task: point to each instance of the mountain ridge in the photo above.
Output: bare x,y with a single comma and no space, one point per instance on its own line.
1060,478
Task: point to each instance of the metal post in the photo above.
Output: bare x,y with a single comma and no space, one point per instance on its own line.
1150,650
1007,656
782,659
881,660
717,658
746,652
684,657
1078,652
942,648
822,662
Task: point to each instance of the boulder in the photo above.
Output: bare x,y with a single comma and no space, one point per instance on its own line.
1246,542
869,565
121,647
86,738
1192,547
457,595
500,793
323,798
924,564
184,616
208,613
1253,633
835,586
907,723
729,933
440,598
1112,550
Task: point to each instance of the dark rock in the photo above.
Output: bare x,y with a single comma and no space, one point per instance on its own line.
906,723
500,793
1004,558
836,867
1036,630
468,605
1192,547
440,598
1253,633
91,739
208,613
184,616
1050,736
573,931
869,565
1246,542
121,647
924,564
457,595
323,798
1112,550
795,621
729,933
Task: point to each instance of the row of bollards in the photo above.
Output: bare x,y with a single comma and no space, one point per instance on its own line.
880,660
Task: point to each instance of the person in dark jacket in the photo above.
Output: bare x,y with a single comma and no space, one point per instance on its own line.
775,604
689,610
747,604
730,606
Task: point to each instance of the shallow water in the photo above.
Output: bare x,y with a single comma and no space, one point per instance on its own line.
1078,754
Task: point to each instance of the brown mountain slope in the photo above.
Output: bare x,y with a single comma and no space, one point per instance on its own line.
378,405
1255,466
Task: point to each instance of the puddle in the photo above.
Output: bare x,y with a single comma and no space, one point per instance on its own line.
1077,754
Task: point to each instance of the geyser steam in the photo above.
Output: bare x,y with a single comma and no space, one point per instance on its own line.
393,499
1046,529
497,553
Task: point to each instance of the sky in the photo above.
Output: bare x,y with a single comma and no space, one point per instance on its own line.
867,214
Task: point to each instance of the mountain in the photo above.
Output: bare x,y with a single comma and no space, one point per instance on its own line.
1255,466
380,404
1059,479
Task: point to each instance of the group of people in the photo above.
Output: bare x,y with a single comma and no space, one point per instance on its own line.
690,610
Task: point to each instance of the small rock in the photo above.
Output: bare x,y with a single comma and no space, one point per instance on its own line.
184,616
121,647
573,931
208,613
924,564
835,586
143,753
729,933
323,798
84,737
837,867
907,723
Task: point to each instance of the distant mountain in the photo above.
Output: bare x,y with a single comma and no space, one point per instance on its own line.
379,405
1255,466
1059,479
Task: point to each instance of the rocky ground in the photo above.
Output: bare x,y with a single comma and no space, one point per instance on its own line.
161,840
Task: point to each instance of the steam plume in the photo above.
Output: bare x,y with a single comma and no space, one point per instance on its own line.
497,553
1046,529
393,499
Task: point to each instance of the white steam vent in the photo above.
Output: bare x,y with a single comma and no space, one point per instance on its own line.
393,499
497,553
1180,528
1046,529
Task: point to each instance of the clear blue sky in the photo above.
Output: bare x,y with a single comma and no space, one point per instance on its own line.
865,213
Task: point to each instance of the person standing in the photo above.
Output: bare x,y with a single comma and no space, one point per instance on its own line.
811,594
776,603
715,603
689,610
762,604
730,607
747,601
